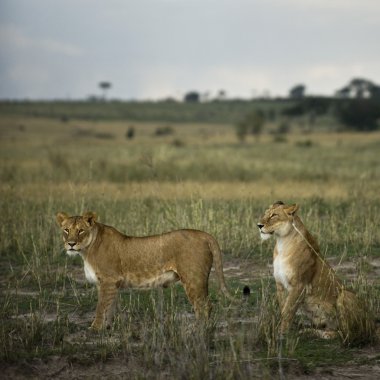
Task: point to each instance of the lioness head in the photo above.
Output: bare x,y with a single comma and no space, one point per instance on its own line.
77,231
277,220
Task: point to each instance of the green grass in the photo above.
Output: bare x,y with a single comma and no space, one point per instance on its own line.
314,353
59,305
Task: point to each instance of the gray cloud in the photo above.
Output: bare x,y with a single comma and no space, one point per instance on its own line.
159,48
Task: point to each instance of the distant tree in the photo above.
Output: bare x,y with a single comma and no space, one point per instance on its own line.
256,120
241,130
358,114
343,92
192,97
359,88
222,95
297,92
252,123
105,86
375,92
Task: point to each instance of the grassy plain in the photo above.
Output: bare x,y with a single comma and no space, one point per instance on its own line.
197,176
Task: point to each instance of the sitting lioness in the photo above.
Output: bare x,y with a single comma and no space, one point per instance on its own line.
113,260
304,278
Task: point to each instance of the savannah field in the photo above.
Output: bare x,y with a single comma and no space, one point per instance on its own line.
170,176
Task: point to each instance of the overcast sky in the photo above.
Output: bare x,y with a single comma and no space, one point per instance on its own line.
152,49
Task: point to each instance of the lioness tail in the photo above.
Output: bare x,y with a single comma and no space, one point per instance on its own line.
218,263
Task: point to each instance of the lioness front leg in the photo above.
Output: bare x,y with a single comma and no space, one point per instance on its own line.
281,294
105,308
292,302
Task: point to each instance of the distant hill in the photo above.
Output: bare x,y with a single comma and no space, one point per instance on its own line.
222,111
334,113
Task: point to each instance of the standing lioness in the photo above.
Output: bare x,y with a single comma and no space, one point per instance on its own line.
113,260
304,278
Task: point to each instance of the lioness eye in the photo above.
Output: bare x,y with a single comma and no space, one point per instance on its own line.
81,232
66,231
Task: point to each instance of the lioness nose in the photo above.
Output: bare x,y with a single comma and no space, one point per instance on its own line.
71,244
260,225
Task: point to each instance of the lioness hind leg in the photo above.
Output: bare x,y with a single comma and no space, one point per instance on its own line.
198,297
321,313
106,305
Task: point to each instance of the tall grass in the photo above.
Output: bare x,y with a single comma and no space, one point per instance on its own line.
230,163
46,306
50,304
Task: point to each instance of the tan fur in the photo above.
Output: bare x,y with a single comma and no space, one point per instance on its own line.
304,279
113,260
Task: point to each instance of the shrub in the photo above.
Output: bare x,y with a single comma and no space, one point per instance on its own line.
164,131
305,143
178,143
130,134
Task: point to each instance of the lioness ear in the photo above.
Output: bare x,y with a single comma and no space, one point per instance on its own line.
89,217
61,217
291,210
